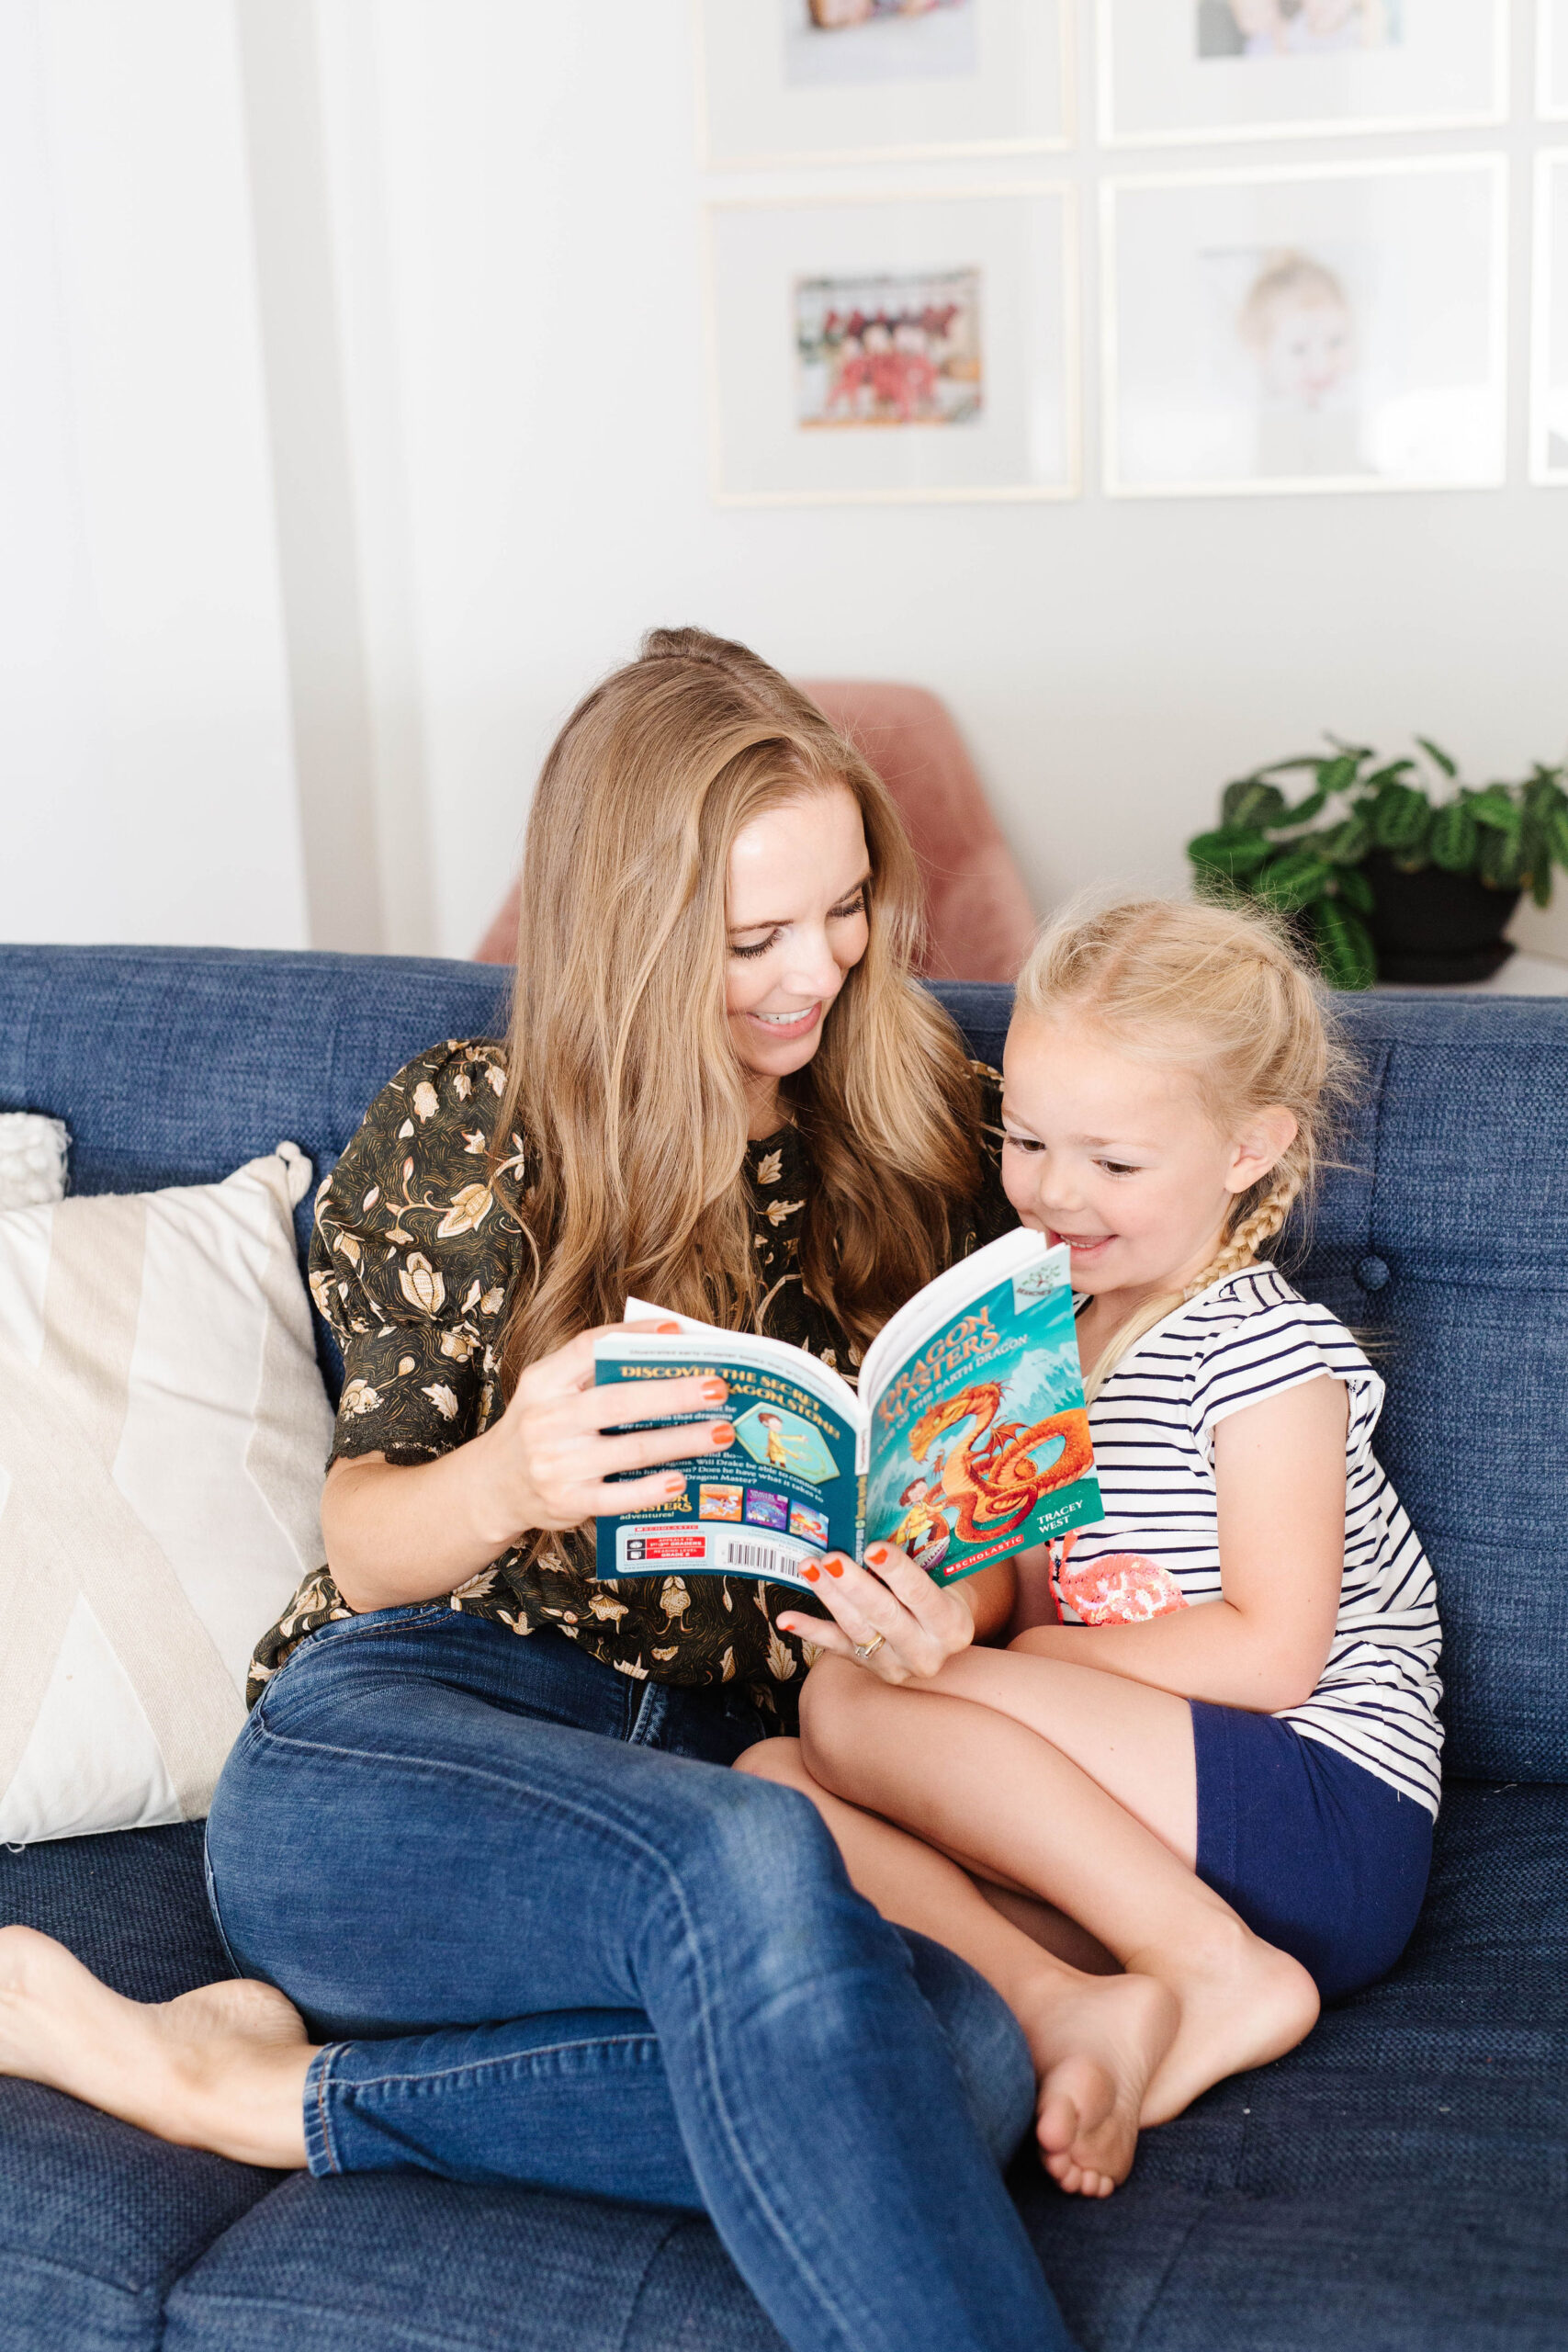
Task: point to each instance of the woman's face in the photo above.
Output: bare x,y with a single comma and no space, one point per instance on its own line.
796,911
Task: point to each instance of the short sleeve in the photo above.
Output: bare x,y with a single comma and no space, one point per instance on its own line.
413,1256
1266,1345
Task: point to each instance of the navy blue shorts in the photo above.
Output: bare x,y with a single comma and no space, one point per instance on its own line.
1318,1855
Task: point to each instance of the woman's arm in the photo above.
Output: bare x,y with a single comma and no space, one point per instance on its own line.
396,1534
1279,1468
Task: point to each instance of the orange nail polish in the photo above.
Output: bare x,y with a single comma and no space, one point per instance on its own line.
811,1576
834,1567
674,1485
668,1327
878,1552
722,1433
715,1392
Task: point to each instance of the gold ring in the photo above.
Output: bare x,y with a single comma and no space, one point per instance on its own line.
869,1650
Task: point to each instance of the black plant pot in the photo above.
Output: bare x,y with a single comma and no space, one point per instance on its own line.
1433,926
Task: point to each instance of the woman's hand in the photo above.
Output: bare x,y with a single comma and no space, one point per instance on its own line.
921,1625
547,1460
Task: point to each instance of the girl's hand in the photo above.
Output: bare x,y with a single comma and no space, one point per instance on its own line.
921,1624
547,1460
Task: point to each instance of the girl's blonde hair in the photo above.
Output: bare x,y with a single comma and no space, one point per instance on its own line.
625,1116
1224,992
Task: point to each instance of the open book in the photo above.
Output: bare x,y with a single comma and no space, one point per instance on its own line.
967,1441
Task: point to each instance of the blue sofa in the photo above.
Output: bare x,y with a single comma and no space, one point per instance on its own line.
1400,2184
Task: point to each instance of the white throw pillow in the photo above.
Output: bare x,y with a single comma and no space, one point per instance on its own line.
32,1159
163,1428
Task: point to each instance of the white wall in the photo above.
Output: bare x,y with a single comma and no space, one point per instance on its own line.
510,197
146,779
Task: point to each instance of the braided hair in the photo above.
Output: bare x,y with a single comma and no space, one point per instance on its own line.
1225,991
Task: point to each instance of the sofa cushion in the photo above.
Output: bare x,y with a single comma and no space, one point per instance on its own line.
97,2219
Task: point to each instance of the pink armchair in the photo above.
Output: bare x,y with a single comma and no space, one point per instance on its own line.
979,917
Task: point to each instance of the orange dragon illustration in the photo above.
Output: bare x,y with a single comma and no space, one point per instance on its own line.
992,1476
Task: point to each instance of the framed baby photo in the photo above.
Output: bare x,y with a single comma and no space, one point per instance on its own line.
1335,327
1552,59
875,349
1549,387
1173,70
834,80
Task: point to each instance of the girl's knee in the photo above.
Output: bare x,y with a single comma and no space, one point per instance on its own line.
833,1705
775,1759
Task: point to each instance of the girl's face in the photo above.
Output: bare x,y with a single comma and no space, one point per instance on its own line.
796,911
1310,348
1117,1157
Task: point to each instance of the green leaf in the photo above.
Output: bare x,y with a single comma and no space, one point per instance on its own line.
1252,801
1231,850
1557,836
1335,774
1389,774
1455,837
1438,755
1500,862
1294,879
1344,944
1347,843
1307,809
1353,889
1400,816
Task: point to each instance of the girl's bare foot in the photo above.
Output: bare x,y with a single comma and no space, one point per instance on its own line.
222,2068
1242,2003
1095,2051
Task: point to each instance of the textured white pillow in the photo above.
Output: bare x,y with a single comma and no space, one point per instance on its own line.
32,1159
163,1428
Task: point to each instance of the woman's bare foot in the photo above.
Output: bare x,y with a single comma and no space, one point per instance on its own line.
222,2068
1095,2051
1242,2002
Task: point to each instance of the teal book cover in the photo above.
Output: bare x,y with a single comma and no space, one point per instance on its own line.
979,1439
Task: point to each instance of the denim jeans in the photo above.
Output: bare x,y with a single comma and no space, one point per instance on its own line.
536,1952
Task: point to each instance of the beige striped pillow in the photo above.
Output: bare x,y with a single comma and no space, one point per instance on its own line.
163,1428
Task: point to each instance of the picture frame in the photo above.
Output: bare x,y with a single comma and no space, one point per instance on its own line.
1175,71
893,348
1552,59
1306,328
780,83
1549,338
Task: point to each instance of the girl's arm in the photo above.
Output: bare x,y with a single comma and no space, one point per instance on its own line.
1279,1468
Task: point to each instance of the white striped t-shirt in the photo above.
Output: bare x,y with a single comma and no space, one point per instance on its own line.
1245,1337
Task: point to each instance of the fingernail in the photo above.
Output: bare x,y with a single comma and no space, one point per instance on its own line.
812,1575
878,1552
714,1391
834,1567
674,1485
668,1327
722,1433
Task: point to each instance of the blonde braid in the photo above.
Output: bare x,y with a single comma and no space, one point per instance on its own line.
1246,1239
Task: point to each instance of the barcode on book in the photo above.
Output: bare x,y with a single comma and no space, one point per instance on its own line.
762,1559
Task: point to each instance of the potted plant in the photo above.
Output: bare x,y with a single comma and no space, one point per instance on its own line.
1384,878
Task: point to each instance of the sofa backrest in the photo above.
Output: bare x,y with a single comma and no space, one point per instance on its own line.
1443,1239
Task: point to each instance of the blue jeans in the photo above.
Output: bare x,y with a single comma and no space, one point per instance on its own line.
597,1963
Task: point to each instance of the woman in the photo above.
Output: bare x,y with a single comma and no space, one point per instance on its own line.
430,1824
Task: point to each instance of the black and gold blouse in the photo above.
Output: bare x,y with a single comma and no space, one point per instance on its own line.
412,1261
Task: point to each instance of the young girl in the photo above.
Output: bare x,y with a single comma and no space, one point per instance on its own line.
1235,1672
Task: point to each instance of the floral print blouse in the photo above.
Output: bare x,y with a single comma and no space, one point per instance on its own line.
413,1262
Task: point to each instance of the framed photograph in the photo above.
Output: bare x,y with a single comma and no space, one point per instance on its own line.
834,80
1338,327
1173,70
1552,59
893,348
1549,402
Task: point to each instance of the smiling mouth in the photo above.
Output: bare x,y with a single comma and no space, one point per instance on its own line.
788,1024
1082,1244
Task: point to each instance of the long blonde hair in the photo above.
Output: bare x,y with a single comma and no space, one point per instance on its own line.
624,1098
1221,991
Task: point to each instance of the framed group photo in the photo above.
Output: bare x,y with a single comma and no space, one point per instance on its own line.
838,80
1176,69
1549,402
1329,327
874,349
1552,59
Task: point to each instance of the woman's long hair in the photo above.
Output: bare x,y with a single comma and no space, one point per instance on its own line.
626,1099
